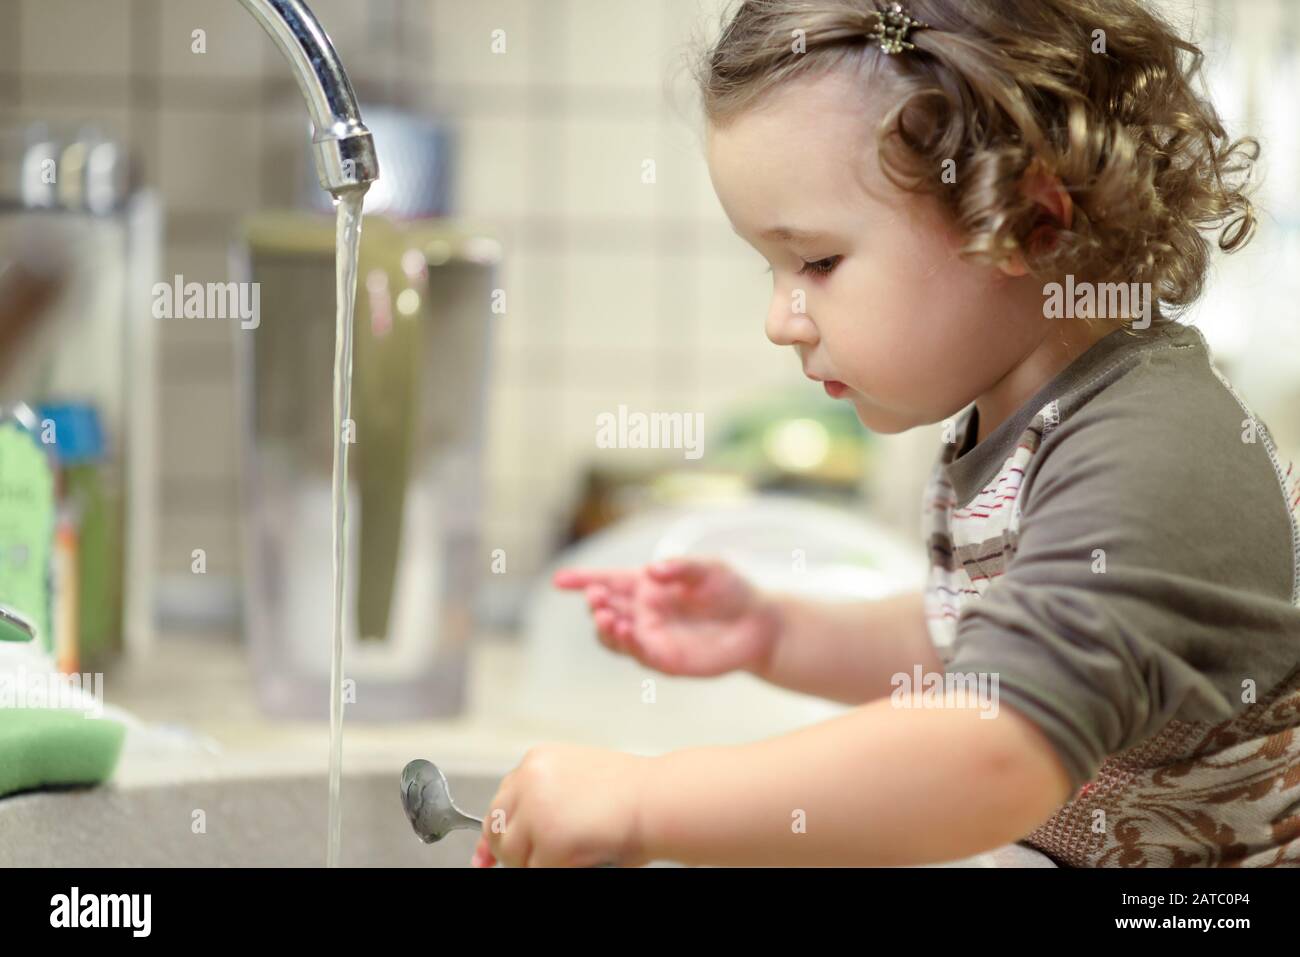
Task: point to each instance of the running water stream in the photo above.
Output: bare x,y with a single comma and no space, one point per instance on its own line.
348,244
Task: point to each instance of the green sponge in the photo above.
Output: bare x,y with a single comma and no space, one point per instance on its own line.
47,747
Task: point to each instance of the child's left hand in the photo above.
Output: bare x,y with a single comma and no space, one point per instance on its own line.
567,806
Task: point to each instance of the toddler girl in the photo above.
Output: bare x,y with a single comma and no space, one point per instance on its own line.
986,214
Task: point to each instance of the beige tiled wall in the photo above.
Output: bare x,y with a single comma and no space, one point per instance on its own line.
618,290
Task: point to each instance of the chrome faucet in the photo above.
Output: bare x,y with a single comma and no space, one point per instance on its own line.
344,148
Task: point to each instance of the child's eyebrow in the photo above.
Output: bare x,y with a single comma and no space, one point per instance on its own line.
791,234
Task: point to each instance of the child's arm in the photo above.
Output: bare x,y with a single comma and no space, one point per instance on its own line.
699,617
846,651
880,786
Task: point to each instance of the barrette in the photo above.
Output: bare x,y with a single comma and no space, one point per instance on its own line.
893,26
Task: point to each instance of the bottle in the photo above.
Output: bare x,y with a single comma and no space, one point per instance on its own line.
27,517
89,554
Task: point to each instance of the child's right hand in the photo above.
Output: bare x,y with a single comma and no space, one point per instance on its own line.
680,616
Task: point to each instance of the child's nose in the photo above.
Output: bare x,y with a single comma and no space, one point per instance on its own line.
787,322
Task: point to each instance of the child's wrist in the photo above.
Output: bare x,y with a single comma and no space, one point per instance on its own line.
772,614
654,810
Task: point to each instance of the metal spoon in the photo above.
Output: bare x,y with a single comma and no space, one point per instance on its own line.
427,801
428,804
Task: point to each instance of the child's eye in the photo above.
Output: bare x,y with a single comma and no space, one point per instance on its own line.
821,267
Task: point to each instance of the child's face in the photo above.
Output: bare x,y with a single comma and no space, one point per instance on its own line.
913,332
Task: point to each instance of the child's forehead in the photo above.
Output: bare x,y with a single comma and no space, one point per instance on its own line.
808,145
840,96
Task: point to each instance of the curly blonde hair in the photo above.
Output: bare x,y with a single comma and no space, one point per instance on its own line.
1100,92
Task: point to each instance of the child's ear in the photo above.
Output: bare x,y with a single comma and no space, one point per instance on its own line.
1044,188
1014,266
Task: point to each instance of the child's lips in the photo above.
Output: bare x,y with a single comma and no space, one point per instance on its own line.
834,388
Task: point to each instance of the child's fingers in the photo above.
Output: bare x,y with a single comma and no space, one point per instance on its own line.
620,605
609,596
601,599
597,596
685,570
482,856
611,614
576,577
616,580
606,623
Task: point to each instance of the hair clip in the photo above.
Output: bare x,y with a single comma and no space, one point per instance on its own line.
893,25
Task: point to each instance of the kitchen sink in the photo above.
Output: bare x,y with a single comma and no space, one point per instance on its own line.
277,821
264,821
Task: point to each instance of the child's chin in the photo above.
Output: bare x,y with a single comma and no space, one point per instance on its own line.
882,421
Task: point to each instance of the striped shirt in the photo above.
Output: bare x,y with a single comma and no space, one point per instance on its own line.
1124,554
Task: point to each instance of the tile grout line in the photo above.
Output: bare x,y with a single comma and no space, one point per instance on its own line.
13,53
548,181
